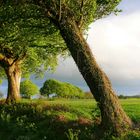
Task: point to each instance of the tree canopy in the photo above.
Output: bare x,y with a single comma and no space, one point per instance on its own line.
83,12
61,89
26,33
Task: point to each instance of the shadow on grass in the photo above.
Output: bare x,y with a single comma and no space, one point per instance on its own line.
24,121
40,121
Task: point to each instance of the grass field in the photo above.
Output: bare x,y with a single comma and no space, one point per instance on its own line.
85,107
58,119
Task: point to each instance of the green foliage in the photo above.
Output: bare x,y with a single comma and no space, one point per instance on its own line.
61,89
2,75
83,11
72,135
24,30
32,120
27,89
0,81
130,135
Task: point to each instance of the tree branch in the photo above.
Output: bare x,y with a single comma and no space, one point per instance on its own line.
80,22
81,14
20,58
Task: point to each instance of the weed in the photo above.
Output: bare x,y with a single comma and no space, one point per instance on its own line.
71,135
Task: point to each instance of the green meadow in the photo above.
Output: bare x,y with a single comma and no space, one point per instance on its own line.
59,119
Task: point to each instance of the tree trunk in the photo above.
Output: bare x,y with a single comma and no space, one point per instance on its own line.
14,76
113,117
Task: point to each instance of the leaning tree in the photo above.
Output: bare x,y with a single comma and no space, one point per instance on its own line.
72,17
21,33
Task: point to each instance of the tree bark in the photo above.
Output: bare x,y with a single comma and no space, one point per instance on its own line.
113,117
14,76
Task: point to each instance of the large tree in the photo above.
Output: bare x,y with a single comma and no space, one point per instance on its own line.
21,33
72,17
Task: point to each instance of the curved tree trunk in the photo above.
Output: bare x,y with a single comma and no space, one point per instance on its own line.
113,116
14,76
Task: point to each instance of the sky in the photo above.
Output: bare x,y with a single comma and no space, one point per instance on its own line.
115,43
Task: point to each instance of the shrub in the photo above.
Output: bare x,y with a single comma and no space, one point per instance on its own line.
61,89
28,89
71,135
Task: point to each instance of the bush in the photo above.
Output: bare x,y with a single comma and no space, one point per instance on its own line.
61,89
28,89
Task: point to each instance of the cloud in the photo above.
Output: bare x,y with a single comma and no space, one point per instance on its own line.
116,45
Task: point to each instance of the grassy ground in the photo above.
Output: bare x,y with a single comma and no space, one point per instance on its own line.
58,119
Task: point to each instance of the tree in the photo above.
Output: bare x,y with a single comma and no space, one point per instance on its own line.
20,33
61,89
28,89
72,18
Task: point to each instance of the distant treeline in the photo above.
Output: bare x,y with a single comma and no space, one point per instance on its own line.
89,95
126,97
